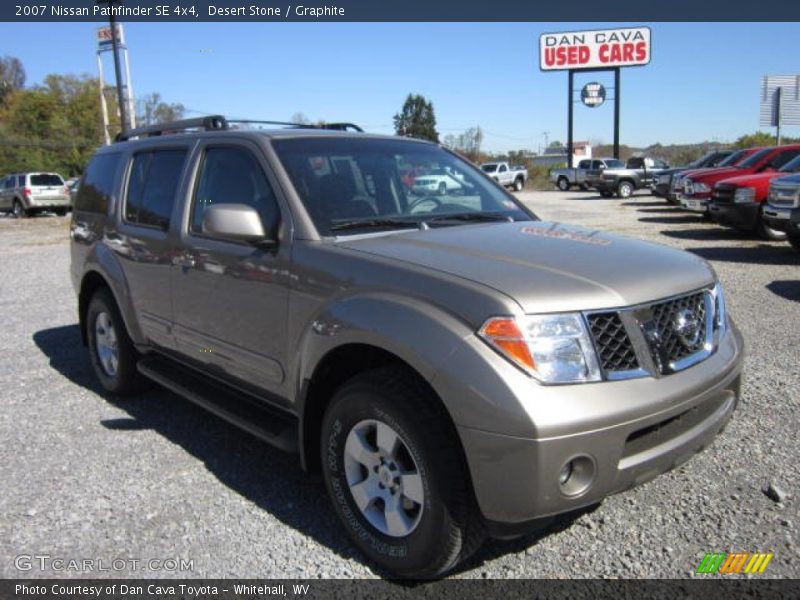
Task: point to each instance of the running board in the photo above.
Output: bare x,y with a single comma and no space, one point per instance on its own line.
242,410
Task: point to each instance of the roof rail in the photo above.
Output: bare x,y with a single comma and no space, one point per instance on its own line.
210,123
335,126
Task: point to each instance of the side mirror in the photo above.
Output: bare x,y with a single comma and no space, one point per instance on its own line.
237,223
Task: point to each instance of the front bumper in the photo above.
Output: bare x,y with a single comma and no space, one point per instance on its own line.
739,215
631,431
694,204
777,218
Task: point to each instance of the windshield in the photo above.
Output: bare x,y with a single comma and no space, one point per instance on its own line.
46,179
754,159
490,168
734,159
614,164
793,166
362,183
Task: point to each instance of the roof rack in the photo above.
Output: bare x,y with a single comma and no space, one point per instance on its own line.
210,123
220,123
334,126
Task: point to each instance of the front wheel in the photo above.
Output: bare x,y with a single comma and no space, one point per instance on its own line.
397,477
519,183
765,232
563,184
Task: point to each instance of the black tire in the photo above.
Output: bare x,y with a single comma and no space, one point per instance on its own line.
563,184
449,526
519,183
442,188
60,211
794,240
765,232
19,211
126,379
624,189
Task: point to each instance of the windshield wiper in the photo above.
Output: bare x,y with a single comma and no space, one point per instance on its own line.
371,223
476,216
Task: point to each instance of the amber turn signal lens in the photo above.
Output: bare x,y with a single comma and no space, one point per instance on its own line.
505,334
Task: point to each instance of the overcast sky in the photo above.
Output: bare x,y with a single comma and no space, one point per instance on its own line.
702,84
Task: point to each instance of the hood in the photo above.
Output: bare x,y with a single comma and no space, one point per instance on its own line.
759,181
789,179
697,174
547,267
714,175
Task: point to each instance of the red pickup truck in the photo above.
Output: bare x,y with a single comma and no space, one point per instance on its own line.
739,201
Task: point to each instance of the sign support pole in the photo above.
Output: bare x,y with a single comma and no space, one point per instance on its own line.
569,118
778,113
616,112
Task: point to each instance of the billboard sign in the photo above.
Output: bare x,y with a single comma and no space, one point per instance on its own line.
780,100
602,48
104,37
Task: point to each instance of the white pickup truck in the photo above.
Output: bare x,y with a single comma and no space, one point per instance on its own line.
505,175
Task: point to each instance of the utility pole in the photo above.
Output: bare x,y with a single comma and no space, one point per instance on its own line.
123,105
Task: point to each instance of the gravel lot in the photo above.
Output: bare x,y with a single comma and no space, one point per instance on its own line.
83,476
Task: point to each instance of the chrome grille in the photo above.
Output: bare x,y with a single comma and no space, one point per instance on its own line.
614,347
665,314
658,338
783,197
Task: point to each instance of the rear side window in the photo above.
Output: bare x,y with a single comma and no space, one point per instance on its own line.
152,186
233,175
48,179
10,182
98,183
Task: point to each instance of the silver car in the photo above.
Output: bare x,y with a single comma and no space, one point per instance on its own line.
25,194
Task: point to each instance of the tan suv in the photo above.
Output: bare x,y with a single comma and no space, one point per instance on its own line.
25,194
454,366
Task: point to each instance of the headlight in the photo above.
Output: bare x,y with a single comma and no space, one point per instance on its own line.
663,179
552,348
744,195
702,188
720,309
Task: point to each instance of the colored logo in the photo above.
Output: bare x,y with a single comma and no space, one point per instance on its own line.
739,562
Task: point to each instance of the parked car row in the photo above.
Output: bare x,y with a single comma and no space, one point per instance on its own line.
610,176
741,195
25,194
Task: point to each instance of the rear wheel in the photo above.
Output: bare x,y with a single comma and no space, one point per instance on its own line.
765,232
18,210
624,189
397,476
60,211
111,349
563,184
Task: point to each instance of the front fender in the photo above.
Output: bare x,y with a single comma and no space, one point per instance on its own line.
421,334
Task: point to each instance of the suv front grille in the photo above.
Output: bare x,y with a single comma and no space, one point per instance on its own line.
614,347
724,193
665,315
783,197
658,338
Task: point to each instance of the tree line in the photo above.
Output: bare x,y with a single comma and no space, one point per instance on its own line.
57,125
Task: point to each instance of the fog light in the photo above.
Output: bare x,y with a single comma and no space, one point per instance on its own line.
566,472
577,475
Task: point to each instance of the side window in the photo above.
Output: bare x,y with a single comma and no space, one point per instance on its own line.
9,182
503,168
20,181
152,186
597,164
584,164
232,175
98,182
